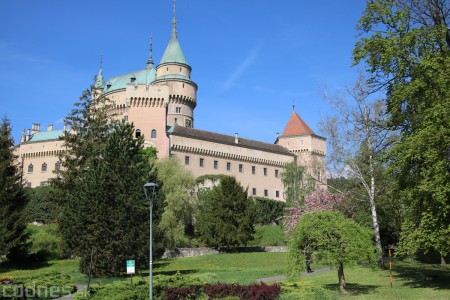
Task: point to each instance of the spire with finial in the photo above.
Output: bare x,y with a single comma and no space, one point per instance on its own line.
150,57
99,82
174,20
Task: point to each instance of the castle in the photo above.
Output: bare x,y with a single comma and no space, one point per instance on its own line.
160,101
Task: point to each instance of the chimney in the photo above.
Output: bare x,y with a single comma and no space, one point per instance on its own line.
65,129
35,128
236,138
50,127
278,134
23,138
27,138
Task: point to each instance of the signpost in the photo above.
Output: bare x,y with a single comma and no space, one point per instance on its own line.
131,270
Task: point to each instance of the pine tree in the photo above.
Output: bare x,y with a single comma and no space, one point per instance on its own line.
226,218
104,210
13,199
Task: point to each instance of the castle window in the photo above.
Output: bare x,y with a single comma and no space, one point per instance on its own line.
176,121
265,171
167,69
29,184
30,168
266,193
277,194
180,69
137,133
241,168
43,183
186,160
253,170
319,176
188,123
202,162
57,166
276,173
254,191
183,85
228,166
216,164
153,134
44,167
178,110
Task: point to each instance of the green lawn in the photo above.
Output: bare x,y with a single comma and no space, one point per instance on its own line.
412,280
237,267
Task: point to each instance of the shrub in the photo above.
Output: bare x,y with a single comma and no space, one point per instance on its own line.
268,211
305,290
46,242
244,292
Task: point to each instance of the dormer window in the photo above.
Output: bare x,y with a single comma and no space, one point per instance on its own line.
108,85
133,78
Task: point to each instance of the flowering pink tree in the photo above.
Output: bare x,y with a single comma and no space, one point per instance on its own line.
320,199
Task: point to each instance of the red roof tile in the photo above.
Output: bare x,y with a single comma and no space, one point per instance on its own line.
296,126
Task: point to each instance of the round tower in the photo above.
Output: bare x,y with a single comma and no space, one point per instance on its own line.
175,71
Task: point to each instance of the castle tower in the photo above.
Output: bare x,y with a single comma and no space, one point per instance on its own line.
175,71
99,83
309,148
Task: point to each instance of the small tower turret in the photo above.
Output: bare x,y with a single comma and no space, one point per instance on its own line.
99,83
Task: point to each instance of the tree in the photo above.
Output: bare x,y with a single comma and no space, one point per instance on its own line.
297,184
13,199
406,48
177,220
338,241
319,200
226,218
104,211
42,206
358,137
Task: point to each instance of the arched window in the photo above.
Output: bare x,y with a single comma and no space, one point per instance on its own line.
153,134
138,133
44,167
57,166
30,168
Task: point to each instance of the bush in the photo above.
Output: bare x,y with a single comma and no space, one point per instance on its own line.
46,242
268,211
305,290
48,286
244,292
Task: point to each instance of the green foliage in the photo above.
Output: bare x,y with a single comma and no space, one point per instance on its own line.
211,177
226,218
297,184
336,240
46,241
103,207
406,47
13,199
177,220
47,286
151,153
305,290
268,211
42,207
269,235
120,290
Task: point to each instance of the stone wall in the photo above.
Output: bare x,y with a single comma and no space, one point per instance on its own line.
190,252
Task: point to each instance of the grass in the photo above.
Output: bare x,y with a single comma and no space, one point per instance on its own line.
269,235
410,282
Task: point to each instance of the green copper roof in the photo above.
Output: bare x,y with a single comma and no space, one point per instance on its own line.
99,82
146,76
173,53
46,136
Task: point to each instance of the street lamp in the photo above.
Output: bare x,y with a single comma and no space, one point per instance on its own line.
150,193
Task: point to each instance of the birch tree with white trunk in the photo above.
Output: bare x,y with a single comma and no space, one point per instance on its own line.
356,128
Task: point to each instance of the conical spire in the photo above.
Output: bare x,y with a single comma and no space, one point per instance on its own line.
173,53
296,126
99,81
150,57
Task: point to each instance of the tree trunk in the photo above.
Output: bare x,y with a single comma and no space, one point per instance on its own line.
341,278
443,262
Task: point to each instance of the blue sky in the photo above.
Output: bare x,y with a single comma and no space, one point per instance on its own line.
251,59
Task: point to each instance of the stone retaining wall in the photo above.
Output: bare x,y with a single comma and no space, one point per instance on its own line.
190,252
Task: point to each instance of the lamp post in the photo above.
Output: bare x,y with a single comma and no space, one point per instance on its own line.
150,193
